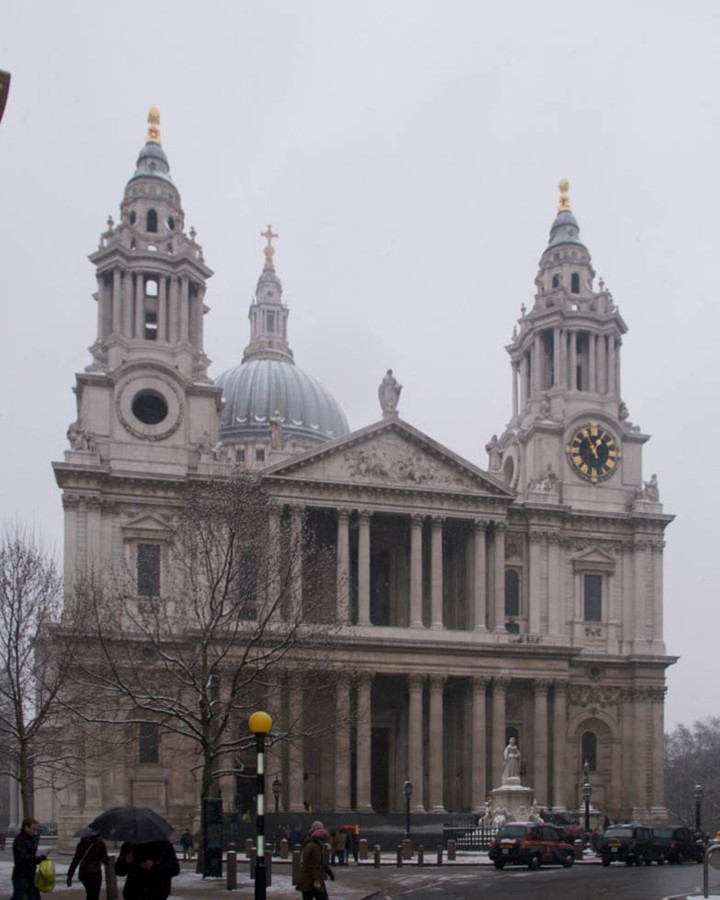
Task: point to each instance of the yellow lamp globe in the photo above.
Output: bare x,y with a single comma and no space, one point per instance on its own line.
260,723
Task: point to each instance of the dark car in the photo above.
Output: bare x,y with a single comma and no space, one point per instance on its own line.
532,844
631,844
678,843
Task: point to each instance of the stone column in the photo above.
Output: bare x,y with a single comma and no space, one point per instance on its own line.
540,757
436,765
273,591
497,738
557,356
162,309
515,378
184,309
364,743
117,301
173,309
499,568
573,360
416,573
102,310
641,737
343,566
478,787
342,743
560,770
537,539
657,555
592,357
537,379
94,534
139,328
415,739
523,379
364,568
657,775
555,597
480,577
296,563
618,382
296,762
602,364
436,573
127,302
642,577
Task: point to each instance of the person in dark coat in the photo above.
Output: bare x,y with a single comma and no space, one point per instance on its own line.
90,856
149,868
26,858
311,880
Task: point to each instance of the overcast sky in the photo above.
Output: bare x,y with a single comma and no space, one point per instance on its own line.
408,155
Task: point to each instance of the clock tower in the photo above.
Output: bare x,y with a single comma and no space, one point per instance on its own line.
569,437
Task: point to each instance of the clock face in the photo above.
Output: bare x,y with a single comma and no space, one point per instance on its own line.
593,452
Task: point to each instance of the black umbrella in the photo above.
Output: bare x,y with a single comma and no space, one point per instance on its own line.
135,824
85,832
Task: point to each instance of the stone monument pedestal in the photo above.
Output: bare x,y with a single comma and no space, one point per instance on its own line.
513,797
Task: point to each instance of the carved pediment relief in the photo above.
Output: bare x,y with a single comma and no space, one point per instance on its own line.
146,525
391,457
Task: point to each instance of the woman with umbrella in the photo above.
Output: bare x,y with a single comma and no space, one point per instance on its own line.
90,856
149,868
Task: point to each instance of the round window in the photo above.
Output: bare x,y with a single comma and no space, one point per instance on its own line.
149,407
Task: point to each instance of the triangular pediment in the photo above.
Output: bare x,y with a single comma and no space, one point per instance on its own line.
594,558
147,525
390,455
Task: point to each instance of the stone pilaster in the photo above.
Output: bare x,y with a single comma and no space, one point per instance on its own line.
540,756
416,572
499,695
364,568
560,770
364,743
480,577
478,786
343,566
499,586
436,573
296,762
342,744
415,739
437,732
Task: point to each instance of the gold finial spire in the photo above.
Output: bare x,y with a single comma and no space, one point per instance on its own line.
153,133
564,198
269,250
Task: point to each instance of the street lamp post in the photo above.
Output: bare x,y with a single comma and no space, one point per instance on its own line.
276,789
698,795
407,790
587,793
260,724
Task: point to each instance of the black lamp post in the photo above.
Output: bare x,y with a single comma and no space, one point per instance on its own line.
698,795
407,790
260,724
587,793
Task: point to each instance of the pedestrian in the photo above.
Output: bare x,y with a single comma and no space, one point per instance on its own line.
297,835
311,880
186,842
149,869
90,856
26,858
340,843
333,848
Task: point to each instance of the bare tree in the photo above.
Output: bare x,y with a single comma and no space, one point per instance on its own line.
196,655
33,671
692,757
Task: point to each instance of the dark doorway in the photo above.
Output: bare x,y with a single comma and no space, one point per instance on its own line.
380,779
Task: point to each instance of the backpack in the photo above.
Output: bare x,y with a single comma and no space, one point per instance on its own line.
45,876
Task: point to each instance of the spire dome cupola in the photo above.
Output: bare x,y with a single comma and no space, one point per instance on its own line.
565,264
272,405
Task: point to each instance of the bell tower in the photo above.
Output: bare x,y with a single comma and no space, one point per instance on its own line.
569,437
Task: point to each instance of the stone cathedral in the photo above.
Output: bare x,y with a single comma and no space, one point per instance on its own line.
472,604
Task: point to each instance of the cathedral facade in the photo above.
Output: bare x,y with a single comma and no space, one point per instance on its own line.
469,605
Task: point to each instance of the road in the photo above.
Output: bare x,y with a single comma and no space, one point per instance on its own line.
582,882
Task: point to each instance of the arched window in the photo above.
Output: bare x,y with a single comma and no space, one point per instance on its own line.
589,750
151,224
512,593
575,283
556,281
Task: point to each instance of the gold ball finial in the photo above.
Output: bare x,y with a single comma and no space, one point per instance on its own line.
153,133
564,198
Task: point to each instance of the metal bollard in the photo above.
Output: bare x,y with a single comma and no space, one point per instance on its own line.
248,847
295,866
268,868
439,854
451,850
578,848
399,856
231,870
407,849
376,859
421,855
284,848
363,848
111,890
253,862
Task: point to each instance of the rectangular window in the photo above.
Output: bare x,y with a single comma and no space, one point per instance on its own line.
259,455
149,742
592,598
148,570
270,320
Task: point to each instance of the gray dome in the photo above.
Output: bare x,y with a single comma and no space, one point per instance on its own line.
565,230
254,390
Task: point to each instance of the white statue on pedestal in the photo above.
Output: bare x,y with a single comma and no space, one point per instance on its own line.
511,758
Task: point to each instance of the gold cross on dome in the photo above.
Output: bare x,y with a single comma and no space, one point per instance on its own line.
269,235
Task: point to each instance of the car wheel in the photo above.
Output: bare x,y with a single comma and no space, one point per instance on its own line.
661,859
640,860
534,862
570,859
606,860
499,864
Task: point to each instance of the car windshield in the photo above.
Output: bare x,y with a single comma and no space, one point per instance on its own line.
511,831
663,832
619,832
